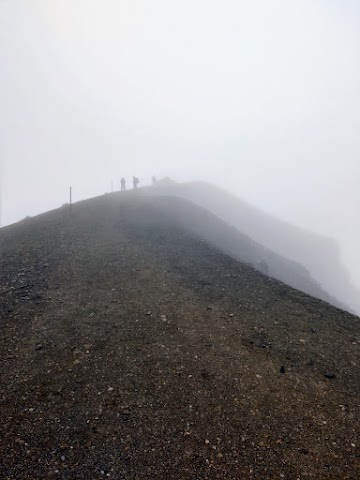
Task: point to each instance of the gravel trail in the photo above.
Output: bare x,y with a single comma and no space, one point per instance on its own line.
132,349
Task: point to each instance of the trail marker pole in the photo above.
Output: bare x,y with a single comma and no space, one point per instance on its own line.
1,194
70,200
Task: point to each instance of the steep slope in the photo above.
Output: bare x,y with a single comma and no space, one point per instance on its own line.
317,254
230,241
130,348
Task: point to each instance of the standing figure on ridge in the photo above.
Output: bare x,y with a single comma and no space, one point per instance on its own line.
136,182
123,184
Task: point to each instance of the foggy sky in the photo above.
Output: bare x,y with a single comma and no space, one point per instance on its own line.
260,97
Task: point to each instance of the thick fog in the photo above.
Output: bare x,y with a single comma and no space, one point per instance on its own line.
261,98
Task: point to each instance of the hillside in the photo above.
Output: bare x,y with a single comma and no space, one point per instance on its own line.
317,254
133,349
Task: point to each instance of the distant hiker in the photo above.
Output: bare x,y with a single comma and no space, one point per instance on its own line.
136,182
154,180
123,184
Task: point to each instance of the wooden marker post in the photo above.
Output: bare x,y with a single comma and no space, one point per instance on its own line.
70,200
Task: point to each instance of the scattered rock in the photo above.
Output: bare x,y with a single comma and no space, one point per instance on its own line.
205,373
263,345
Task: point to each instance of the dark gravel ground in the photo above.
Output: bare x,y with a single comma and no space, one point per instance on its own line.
131,349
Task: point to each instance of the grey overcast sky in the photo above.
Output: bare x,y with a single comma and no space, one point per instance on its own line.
260,97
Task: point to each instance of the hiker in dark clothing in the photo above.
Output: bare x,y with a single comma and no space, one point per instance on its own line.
136,182
123,184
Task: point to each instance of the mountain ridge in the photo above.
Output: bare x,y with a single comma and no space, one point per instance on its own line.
131,348
317,254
